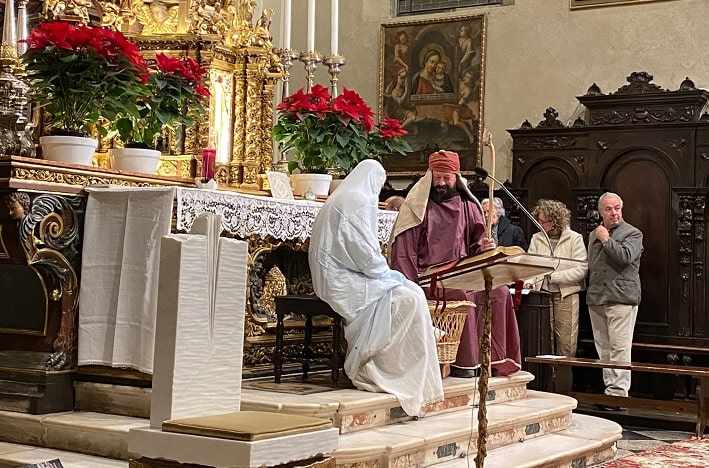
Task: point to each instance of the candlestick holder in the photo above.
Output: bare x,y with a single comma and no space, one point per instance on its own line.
334,65
310,60
287,56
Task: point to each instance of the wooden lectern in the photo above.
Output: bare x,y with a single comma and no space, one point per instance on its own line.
487,271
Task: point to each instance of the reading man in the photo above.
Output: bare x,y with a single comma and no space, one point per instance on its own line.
441,221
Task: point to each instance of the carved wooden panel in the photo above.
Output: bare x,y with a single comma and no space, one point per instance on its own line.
646,193
650,144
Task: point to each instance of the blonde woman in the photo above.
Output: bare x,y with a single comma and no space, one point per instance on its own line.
564,285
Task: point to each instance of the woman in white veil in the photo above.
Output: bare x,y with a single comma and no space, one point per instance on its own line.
391,343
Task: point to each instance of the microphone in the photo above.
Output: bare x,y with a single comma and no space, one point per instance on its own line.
482,174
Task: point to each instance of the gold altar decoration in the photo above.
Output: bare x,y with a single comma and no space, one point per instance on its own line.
234,45
274,286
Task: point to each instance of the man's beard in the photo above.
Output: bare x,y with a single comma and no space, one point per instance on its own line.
441,193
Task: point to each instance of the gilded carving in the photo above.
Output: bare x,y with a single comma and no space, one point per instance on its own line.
239,148
49,176
157,17
61,9
50,237
254,118
274,286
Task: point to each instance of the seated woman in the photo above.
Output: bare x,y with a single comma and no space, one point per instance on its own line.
564,285
391,343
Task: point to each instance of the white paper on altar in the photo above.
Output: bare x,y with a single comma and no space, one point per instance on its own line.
200,327
119,274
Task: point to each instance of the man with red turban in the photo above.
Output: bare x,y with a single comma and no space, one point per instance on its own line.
441,221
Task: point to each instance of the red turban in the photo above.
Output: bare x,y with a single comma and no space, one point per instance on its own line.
444,161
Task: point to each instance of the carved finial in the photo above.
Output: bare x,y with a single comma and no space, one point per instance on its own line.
551,119
594,90
639,83
687,85
579,122
526,125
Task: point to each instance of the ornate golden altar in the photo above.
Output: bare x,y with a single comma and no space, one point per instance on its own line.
235,48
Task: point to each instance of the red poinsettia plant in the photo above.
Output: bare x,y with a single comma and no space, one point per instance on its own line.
80,73
175,92
329,134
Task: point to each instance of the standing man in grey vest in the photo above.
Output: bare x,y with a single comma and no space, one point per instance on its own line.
614,250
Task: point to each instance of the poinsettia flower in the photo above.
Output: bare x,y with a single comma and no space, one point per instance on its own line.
316,101
167,64
202,90
53,33
350,104
391,128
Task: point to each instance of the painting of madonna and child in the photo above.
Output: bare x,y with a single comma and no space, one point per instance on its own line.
431,78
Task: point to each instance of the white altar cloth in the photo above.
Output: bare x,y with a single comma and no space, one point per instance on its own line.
246,215
119,280
121,252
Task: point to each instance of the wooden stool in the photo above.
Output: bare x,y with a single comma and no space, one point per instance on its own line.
309,307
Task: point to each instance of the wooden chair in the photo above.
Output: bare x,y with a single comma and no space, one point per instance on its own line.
309,307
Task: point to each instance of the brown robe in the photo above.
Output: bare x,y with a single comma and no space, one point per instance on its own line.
451,230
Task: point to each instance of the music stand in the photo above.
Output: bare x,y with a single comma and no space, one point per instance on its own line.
485,272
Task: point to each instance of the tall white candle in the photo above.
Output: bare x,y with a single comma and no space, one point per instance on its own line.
334,27
311,25
285,30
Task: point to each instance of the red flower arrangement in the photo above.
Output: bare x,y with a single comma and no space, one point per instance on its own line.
80,73
177,84
334,134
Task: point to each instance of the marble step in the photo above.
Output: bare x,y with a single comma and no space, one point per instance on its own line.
436,439
104,435
354,410
13,455
350,410
587,442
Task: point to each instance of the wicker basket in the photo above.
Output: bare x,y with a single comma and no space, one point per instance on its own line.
450,320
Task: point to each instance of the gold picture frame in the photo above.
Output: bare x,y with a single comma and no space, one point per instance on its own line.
432,78
581,4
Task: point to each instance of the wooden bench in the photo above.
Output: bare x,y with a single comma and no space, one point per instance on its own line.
700,374
309,307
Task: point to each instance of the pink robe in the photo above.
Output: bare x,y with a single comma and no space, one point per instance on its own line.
452,230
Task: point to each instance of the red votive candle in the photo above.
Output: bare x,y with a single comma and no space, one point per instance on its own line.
209,156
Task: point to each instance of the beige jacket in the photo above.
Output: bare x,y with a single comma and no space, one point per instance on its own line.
570,245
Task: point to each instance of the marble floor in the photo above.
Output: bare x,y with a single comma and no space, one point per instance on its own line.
638,439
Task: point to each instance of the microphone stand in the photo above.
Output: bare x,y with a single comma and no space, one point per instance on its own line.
483,174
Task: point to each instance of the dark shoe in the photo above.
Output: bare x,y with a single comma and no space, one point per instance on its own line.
464,373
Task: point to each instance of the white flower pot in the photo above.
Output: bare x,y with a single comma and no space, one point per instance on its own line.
135,159
318,184
69,149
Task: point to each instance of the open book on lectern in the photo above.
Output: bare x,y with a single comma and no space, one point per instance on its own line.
505,265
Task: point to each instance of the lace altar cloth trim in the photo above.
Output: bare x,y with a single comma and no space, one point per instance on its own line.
246,215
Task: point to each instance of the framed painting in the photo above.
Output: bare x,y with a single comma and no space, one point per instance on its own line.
432,78
578,4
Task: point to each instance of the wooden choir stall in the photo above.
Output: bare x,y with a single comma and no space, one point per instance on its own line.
651,146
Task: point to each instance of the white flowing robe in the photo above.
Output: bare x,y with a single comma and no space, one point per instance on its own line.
391,343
